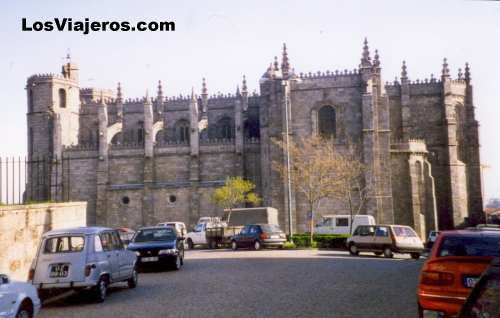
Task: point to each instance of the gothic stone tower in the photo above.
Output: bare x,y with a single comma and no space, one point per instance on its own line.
53,110
348,106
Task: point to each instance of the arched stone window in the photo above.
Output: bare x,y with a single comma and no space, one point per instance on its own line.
327,122
117,138
62,98
252,128
140,132
159,136
224,128
182,131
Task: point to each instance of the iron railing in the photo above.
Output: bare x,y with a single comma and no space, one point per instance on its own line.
36,179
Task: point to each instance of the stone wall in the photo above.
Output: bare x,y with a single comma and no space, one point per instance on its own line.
21,227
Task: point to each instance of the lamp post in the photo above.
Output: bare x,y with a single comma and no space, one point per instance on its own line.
289,182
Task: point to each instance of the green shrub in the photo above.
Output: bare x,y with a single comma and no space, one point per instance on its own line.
320,240
289,245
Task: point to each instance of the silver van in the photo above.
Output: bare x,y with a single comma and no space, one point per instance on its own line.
85,258
385,239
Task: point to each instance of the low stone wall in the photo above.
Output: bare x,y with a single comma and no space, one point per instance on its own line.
21,227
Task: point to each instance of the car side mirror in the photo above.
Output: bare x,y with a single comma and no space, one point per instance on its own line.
4,279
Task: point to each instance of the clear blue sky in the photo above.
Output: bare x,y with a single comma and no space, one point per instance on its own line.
222,40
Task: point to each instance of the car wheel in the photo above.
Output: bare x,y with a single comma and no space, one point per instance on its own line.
101,290
133,280
353,249
256,245
420,311
212,244
415,255
388,252
234,246
25,311
177,263
190,244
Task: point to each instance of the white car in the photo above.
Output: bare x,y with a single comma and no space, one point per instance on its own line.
17,299
178,226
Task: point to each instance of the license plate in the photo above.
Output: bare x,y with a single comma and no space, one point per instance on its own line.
469,282
149,259
59,270
275,236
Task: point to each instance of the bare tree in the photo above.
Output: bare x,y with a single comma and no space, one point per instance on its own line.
319,170
313,167
353,186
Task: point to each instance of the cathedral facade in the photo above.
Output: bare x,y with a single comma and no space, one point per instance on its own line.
141,161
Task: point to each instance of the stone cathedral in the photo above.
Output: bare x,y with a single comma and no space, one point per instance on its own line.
157,158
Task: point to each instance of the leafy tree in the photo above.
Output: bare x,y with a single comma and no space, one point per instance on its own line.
235,191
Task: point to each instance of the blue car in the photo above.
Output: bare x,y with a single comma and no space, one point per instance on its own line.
159,246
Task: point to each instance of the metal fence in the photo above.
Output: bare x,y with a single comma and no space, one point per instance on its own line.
31,180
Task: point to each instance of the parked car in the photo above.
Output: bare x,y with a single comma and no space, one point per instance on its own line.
257,236
484,299
158,245
341,224
84,258
431,239
385,239
18,300
126,235
456,261
178,226
214,231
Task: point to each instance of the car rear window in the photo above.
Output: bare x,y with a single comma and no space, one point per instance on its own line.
470,246
64,244
403,231
270,228
150,235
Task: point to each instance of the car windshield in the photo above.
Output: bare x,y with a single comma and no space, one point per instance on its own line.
470,246
149,235
64,244
403,231
270,228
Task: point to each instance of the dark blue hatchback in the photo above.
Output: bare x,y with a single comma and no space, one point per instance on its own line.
158,245
257,236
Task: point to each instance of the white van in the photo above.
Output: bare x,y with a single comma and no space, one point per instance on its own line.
340,224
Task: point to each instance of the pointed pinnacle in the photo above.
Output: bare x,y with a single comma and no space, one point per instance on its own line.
467,72
376,59
276,64
119,91
244,88
446,70
404,73
204,87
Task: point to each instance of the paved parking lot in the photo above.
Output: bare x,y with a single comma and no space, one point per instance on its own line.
269,283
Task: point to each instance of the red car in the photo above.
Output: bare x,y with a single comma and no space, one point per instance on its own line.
456,261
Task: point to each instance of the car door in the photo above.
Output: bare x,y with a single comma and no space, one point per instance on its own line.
365,238
253,234
381,238
241,238
124,261
8,296
111,254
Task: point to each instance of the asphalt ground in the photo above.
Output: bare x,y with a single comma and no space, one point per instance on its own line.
267,283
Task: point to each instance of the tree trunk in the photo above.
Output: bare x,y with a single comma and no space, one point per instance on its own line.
311,228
